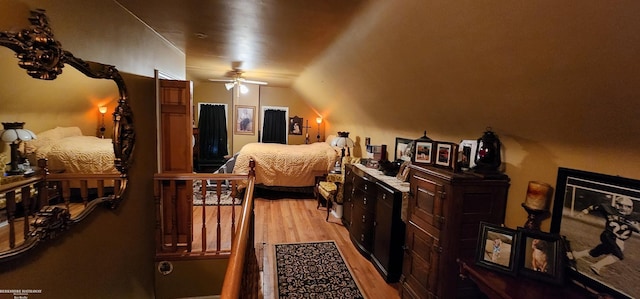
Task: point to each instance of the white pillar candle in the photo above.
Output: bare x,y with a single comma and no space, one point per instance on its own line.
538,196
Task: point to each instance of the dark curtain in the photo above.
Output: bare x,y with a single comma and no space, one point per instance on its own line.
212,131
274,129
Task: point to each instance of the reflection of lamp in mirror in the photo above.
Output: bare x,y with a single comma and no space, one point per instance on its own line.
13,134
318,121
537,203
103,110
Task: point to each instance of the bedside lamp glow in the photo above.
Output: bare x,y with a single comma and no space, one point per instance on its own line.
318,121
103,110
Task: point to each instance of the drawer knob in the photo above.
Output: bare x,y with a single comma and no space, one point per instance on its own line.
365,201
364,218
384,196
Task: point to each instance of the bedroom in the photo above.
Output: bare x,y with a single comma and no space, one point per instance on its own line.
540,85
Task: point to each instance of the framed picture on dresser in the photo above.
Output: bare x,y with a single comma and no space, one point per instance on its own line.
598,215
404,149
497,248
445,154
541,256
424,152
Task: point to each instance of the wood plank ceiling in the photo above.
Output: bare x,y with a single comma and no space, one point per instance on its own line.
273,39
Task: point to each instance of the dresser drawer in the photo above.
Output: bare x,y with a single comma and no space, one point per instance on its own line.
427,202
361,229
422,259
364,183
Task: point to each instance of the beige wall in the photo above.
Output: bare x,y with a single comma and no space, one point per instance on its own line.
70,100
556,82
258,96
111,253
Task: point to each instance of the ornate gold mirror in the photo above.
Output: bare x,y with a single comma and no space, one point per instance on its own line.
61,172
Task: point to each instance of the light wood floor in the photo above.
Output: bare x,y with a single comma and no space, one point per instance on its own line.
297,220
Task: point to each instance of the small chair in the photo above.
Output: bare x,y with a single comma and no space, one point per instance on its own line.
326,190
329,187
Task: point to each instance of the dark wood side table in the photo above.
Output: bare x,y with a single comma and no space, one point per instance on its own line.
501,286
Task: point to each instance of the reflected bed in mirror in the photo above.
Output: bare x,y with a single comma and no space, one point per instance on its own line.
79,162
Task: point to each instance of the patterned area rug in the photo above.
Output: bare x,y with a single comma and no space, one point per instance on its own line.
313,270
212,197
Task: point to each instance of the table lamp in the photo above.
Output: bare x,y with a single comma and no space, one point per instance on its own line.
13,134
343,141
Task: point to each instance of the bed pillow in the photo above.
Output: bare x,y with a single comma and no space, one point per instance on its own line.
47,137
69,131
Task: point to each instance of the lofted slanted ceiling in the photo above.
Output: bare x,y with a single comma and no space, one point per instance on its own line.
275,40
364,64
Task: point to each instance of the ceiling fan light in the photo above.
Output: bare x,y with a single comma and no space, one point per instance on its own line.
243,89
229,85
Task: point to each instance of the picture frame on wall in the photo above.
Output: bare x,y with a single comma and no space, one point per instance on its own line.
497,248
295,125
445,154
423,152
591,207
541,256
404,149
245,120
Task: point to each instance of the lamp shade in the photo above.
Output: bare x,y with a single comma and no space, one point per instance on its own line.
102,109
14,132
229,85
342,142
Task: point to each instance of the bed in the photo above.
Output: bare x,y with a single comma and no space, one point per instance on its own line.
68,151
82,167
282,165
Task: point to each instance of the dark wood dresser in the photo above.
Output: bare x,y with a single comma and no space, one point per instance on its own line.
372,212
445,210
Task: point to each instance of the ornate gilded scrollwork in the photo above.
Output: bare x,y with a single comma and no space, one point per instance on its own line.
43,57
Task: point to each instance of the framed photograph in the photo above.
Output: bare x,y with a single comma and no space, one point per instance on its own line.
541,256
497,248
404,149
467,153
424,152
295,125
597,214
445,154
245,120
403,172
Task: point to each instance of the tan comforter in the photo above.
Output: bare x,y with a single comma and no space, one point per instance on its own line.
286,165
79,154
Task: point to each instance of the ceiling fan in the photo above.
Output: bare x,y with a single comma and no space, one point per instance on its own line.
236,79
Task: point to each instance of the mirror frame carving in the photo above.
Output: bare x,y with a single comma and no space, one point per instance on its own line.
43,57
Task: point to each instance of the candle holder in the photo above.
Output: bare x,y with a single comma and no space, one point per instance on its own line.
534,218
537,204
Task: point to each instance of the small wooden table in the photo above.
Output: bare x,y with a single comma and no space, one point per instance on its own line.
500,286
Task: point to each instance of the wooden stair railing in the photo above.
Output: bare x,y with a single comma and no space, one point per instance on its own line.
243,274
